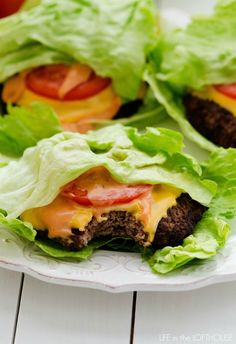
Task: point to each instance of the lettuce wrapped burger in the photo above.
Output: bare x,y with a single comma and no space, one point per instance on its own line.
193,74
83,58
73,193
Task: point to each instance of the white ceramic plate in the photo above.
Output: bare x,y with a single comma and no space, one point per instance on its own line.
117,271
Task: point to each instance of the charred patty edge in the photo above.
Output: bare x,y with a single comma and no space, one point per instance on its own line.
179,223
214,122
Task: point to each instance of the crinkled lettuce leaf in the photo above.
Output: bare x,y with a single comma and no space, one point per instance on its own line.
221,167
23,229
155,141
24,127
209,236
201,54
113,37
57,251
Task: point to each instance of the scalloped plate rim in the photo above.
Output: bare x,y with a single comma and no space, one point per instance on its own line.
125,287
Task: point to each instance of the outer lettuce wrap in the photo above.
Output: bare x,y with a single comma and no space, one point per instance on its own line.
131,157
112,37
201,54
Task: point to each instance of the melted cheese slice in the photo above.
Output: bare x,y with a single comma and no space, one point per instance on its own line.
105,104
62,214
210,93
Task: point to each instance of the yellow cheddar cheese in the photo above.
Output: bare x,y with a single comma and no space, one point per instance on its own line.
211,93
73,111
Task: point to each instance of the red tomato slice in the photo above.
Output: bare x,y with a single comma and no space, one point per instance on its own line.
97,188
47,81
228,90
88,89
8,7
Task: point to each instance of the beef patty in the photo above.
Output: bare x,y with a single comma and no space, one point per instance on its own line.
211,120
179,223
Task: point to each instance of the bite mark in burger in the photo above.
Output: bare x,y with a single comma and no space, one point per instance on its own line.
95,205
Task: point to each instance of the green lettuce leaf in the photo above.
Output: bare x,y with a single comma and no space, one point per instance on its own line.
155,140
24,127
221,167
57,251
113,37
23,229
203,53
209,236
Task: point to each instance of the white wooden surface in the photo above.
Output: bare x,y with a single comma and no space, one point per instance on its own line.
9,291
51,314
55,314
202,316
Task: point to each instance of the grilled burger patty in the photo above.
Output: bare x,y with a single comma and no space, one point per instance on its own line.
211,120
179,223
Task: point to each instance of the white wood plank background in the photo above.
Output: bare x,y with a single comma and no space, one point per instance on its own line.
202,316
10,283
54,314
